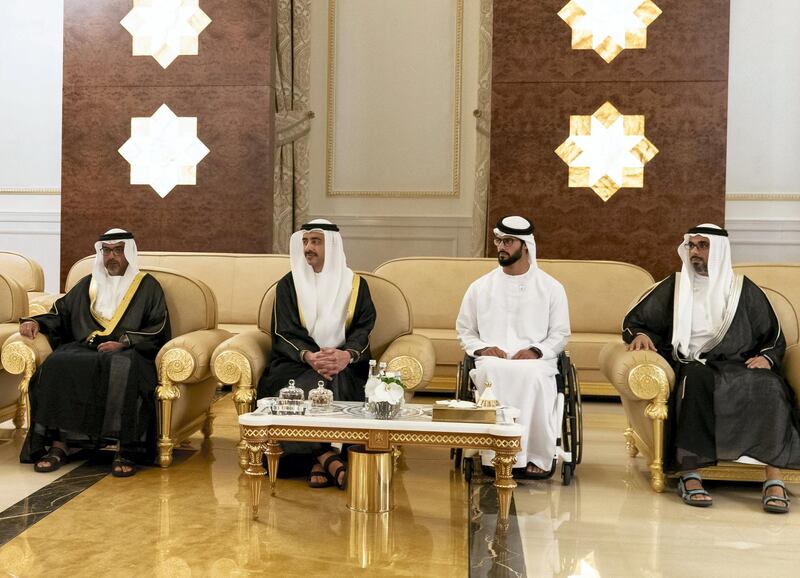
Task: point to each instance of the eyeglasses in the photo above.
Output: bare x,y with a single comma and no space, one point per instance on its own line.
701,246
118,251
504,241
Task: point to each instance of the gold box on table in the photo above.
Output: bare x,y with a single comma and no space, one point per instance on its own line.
473,415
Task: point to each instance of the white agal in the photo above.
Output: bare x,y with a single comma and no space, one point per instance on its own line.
163,150
165,29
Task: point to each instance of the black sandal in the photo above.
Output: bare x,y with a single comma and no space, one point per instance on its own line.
780,504
55,456
335,475
317,475
117,467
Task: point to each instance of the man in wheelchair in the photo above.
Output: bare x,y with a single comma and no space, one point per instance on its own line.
515,322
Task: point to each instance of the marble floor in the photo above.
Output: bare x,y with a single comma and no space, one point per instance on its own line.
193,519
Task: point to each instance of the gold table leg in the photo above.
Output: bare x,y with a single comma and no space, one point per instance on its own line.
273,456
255,470
504,482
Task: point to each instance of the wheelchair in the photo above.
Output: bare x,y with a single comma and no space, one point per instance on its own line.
569,447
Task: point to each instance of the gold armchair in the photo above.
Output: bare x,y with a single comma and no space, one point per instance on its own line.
13,305
644,381
186,386
241,360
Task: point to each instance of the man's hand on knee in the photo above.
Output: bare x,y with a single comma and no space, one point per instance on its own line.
526,354
110,347
29,329
491,352
758,362
641,343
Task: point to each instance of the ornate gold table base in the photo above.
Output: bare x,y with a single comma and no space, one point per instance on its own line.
265,439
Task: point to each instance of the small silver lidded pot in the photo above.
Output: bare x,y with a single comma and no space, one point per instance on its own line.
290,400
321,398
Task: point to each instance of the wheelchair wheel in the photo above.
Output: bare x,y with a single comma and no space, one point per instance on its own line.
578,441
567,469
468,469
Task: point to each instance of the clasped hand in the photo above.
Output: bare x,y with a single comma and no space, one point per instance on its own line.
328,362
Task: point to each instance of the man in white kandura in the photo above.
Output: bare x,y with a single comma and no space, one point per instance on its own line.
515,322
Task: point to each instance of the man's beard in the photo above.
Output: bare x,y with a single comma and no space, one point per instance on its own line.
700,267
511,259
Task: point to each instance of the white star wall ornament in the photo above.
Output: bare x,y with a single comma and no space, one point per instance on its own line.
165,29
163,150
606,151
609,26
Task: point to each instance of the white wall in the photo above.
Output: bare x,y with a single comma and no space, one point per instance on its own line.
31,40
764,131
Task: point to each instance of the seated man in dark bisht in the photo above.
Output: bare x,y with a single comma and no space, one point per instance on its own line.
99,382
320,331
723,338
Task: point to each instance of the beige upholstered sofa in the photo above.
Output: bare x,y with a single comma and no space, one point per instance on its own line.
29,274
599,294
241,360
644,380
13,305
186,386
237,280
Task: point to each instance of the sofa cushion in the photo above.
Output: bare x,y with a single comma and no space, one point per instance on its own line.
237,327
599,293
13,300
445,344
27,272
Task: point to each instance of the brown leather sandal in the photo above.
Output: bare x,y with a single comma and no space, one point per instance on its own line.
56,457
319,478
339,469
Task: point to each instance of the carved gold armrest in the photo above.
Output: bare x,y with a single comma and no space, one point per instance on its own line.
241,361
21,356
414,357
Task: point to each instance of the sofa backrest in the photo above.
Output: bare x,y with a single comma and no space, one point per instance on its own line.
599,292
190,302
784,278
27,272
393,313
238,280
786,314
13,300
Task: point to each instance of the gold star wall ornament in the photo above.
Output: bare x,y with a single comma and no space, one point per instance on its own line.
165,29
163,150
609,26
606,151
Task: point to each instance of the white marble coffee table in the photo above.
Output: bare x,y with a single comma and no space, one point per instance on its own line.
262,433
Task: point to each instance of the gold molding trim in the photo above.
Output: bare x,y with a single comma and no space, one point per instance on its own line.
762,197
483,126
330,138
30,190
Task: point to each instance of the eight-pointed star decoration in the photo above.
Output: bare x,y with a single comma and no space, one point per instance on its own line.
163,150
606,151
609,26
165,29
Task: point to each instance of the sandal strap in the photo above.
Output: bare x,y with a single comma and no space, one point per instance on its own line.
691,476
699,492
771,483
333,458
54,453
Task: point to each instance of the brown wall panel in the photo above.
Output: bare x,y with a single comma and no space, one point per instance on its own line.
235,48
641,226
688,41
228,87
679,83
231,179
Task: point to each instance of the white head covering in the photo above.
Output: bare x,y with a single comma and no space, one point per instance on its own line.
519,228
322,297
720,283
110,289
